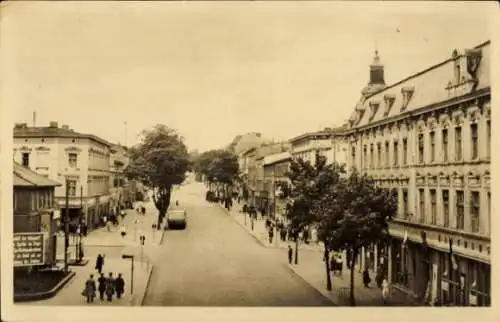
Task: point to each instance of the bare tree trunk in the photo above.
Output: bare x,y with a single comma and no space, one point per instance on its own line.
327,267
353,262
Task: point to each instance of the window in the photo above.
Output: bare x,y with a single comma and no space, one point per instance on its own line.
457,73
460,210
405,151
379,155
458,143
353,154
446,208
488,138
421,148
372,157
432,137
405,203
365,157
421,198
71,187
444,134
26,159
474,211
72,157
489,206
395,155
474,141
433,207
387,158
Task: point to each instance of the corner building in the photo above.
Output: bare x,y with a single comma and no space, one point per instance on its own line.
428,136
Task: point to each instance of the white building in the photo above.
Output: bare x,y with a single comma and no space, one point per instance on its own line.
63,155
429,136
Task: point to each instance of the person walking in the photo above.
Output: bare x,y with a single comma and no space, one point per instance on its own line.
99,263
290,254
101,287
110,287
366,278
271,234
119,286
385,290
89,290
123,231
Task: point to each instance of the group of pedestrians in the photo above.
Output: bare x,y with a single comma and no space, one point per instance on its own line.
106,286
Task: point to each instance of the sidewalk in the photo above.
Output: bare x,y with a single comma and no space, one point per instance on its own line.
312,270
260,232
71,293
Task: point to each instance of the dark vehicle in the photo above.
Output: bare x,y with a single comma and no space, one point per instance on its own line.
177,218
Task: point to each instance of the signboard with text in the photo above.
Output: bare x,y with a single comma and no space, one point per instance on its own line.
28,249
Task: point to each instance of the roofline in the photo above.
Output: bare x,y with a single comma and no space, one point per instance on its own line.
330,134
277,161
424,109
423,71
77,134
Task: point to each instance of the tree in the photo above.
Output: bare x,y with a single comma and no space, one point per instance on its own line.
159,161
220,167
306,184
355,213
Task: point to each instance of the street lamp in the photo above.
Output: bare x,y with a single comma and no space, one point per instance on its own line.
131,257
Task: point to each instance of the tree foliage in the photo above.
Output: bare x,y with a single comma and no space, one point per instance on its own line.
159,161
218,166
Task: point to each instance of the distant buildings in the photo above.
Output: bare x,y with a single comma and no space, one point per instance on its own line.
80,161
35,226
429,136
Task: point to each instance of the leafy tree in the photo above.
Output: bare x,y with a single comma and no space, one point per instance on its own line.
220,167
354,213
159,161
306,184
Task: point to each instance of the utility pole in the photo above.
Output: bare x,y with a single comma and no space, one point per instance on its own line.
66,229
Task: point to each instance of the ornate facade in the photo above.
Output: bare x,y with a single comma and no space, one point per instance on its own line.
429,137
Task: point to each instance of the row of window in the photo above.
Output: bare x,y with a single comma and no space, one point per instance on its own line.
383,152
444,201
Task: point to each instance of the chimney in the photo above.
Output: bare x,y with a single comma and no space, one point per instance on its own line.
65,127
53,124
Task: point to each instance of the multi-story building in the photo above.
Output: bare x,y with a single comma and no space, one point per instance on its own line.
34,220
119,187
330,143
429,136
275,171
79,161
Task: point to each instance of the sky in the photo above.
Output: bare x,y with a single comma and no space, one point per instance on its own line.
215,70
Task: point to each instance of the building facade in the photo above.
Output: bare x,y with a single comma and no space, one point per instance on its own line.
33,204
429,137
81,161
330,143
275,171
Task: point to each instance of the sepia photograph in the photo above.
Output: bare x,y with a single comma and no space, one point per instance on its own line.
245,154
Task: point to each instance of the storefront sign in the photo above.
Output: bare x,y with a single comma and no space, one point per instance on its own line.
28,249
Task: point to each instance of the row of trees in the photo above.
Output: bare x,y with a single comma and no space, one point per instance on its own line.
220,169
349,211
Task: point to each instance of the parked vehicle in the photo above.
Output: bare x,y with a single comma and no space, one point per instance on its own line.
177,218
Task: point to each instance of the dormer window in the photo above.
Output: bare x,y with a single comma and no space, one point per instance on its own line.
407,93
389,101
374,105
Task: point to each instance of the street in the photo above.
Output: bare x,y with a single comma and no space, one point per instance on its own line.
215,262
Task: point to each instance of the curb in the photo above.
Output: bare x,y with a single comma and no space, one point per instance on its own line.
320,291
44,295
143,296
244,227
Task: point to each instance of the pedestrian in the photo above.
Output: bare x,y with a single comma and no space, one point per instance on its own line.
110,287
123,231
119,286
271,235
366,278
89,290
385,290
143,211
290,254
101,286
122,213
99,263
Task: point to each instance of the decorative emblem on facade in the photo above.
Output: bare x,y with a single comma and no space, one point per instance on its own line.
458,179
473,178
431,179
444,178
420,179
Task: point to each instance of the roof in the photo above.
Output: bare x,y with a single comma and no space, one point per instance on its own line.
54,132
275,158
323,133
24,177
425,88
